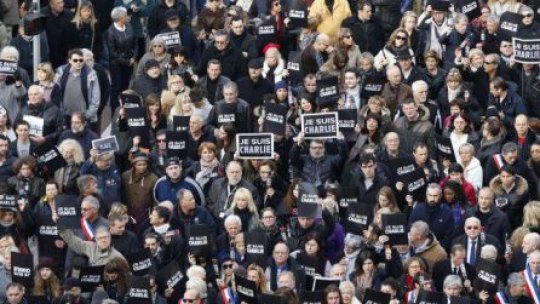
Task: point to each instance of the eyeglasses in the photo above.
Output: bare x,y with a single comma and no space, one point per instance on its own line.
86,209
317,148
188,300
487,62
472,227
220,41
367,166
226,266
401,37
161,140
77,60
268,217
277,4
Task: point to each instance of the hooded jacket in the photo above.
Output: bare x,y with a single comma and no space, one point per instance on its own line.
432,253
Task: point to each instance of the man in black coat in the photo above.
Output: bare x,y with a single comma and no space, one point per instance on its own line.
508,156
151,81
232,61
369,183
474,239
122,239
367,29
455,264
241,109
254,87
57,22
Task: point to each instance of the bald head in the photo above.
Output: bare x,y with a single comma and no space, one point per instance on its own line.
321,42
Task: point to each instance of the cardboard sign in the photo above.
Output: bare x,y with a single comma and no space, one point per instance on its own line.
8,67
180,123
311,297
91,277
402,166
138,125
376,297
48,155
199,240
348,196
105,145
246,290
298,15
293,66
430,297
416,184
36,124
130,100
177,144
509,25
140,262
348,118
308,263
320,125
266,298
471,8
487,277
226,114
307,204
170,276
255,145
395,227
172,39
327,91
372,84
445,148
9,203
138,290
275,119
526,50
68,209
267,33
22,268
358,215
256,247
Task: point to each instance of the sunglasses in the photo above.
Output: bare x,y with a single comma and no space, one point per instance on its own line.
401,38
161,140
78,60
277,4
226,266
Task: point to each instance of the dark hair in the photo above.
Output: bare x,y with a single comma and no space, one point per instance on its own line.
329,289
197,93
465,117
369,116
75,52
363,256
455,168
21,122
392,283
4,138
362,3
493,127
459,194
28,160
163,212
499,83
418,145
350,70
213,61
366,158
509,169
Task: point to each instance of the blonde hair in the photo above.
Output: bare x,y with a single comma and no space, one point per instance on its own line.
476,52
517,236
78,20
48,69
243,193
531,214
78,154
260,274
168,101
407,14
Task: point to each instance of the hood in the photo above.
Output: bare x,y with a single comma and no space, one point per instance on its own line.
432,243
365,111
423,112
520,188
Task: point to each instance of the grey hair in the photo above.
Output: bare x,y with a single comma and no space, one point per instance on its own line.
460,17
535,238
515,278
156,40
181,193
36,87
489,252
353,240
494,18
367,56
198,285
509,147
231,219
231,85
92,200
196,272
434,186
421,227
118,12
467,146
523,9
452,280
86,51
471,219
346,285
103,229
9,51
84,180
419,84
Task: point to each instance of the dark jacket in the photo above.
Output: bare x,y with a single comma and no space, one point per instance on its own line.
127,243
52,119
189,42
495,222
389,13
512,105
233,63
26,51
109,182
84,138
439,219
122,46
30,189
220,198
156,18
369,35
145,85
254,92
456,40
513,202
523,150
242,115
56,30
245,43
218,94
488,148
201,216
308,60
444,268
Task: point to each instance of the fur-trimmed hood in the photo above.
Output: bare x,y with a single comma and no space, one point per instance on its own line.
520,188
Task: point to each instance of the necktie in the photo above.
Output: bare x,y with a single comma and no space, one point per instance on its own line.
473,253
536,280
455,270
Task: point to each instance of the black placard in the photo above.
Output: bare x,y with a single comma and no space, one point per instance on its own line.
308,197
311,297
226,114
140,262
348,196
266,32
199,240
138,125
320,125
49,156
320,283
298,15
177,143
395,227
358,215
68,209
402,166
105,145
293,66
130,100
373,85
275,119
509,25
526,50
416,184
430,297
172,39
170,276
445,147
22,268
460,300
255,145
376,297
348,118
471,8
308,263
180,123
266,298
91,277
9,203
487,276
138,290
246,290
8,67
256,247
327,91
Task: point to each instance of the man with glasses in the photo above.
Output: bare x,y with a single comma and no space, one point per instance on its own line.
108,177
79,89
507,51
230,57
80,132
529,27
474,239
366,28
281,262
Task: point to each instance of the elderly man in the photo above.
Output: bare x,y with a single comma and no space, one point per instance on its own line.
38,109
281,262
315,55
438,216
522,135
189,213
242,110
493,220
395,91
79,132
420,90
531,242
102,76
225,241
532,276
231,58
515,291
474,239
222,189
198,133
452,287
15,294
424,244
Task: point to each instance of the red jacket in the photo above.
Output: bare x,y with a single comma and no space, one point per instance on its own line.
467,188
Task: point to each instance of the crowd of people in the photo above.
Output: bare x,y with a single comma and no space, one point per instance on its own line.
435,90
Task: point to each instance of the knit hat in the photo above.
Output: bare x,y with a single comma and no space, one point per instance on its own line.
270,46
70,283
171,14
45,262
152,63
280,85
255,63
171,161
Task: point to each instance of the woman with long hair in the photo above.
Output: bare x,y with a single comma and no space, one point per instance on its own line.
332,295
290,203
347,44
399,42
460,132
46,283
66,177
84,32
180,64
313,251
45,79
226,143
26,183
409,22
386,199
115,278
456,88
244,206
256,274
156,119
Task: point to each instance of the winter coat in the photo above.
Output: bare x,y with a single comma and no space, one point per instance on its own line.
279,72
412,132
96,257
219,195
36,186
469,190
243,115
57,29
26,50
166,190
432,253
511,106
138,193
390,58
389,13
512,202
84,138
368,35
222,80
108,180
395,95
122,46
495,222
233,63
68,186
52,119
488,148
145,85
149,55
441,222
331,20
211,20
156,18
9,99
473,173
89,87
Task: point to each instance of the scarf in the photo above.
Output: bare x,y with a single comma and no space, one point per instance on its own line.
162,229
202,177
453,94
